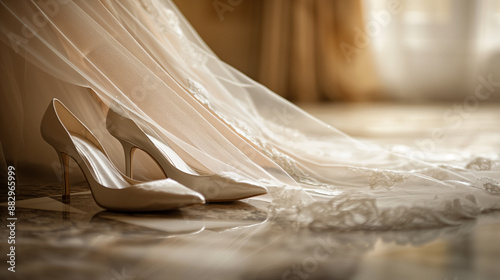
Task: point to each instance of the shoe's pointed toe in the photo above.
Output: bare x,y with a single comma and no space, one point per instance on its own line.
168,194
244,190
219,189
180,195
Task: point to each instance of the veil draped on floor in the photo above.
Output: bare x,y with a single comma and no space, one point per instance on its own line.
144,60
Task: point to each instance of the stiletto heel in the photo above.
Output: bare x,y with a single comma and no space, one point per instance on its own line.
64,159
110,188
128,150
214,188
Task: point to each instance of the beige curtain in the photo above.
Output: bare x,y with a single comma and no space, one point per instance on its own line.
309,53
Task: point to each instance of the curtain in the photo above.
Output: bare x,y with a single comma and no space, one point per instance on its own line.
309,52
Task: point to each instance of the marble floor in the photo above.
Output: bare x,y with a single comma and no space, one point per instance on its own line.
240,240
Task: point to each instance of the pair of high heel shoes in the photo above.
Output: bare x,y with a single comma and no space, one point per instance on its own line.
112,189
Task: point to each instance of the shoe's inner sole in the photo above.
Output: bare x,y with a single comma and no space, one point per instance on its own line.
98,164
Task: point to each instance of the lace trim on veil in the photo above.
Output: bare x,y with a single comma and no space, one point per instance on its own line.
167,21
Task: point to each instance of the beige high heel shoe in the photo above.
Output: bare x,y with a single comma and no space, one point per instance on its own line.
213,187
110,188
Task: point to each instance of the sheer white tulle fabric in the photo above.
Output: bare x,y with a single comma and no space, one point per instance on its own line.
143,59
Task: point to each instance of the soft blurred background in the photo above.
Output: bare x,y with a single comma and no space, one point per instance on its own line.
313,51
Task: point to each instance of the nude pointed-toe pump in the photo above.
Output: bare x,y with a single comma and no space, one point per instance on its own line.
110,188
213,187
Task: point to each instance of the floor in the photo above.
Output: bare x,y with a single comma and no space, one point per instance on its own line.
240,240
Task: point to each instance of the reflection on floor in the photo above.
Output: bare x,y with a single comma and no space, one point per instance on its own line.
234,241
229,241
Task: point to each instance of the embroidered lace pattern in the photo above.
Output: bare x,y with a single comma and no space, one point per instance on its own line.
346,213
167,21
480,164
488,185
385,179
